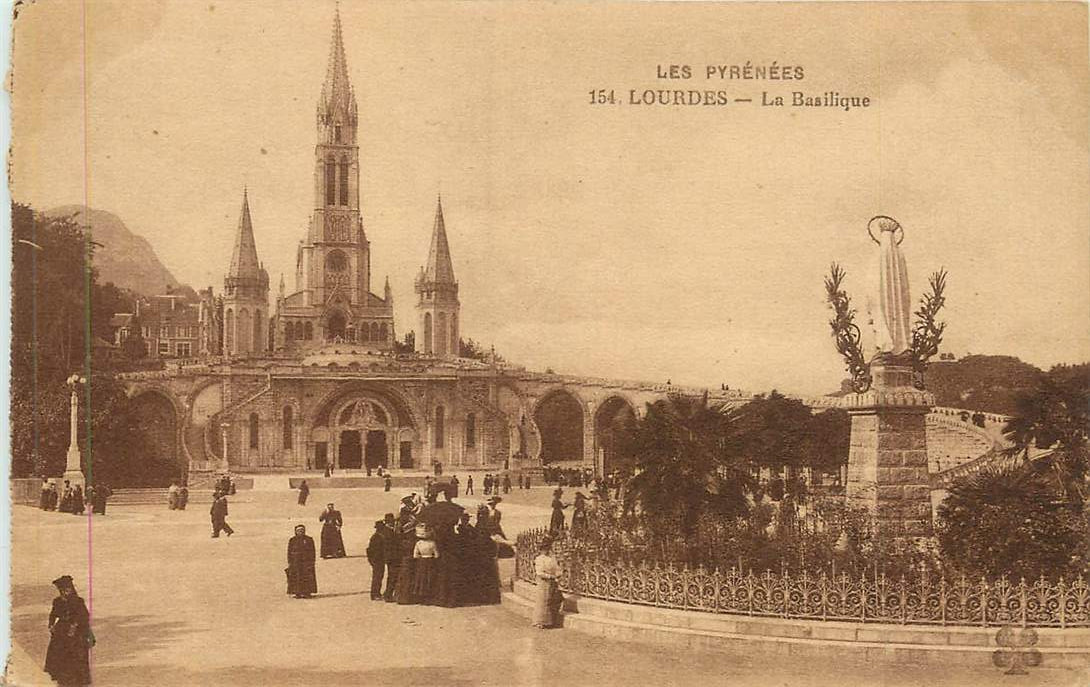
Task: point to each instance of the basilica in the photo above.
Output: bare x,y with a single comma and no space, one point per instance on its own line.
317,375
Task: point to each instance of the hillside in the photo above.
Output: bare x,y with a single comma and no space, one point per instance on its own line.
125,258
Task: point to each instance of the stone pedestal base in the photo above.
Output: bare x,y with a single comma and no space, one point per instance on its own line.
72,471
887,459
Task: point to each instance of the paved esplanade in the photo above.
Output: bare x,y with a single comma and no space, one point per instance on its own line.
171,606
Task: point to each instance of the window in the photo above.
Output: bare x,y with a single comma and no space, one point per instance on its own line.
164,348
183,349
427,332
145,332
365,332
288,415
229,332
440,429
471,430
308,331
330,183
454,334
289,332
164,331
253,430
337,133
383,332
344,183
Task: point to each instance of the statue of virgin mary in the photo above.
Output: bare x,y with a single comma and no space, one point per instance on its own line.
895,306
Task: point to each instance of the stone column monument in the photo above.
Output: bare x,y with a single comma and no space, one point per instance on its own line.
73,470
887,459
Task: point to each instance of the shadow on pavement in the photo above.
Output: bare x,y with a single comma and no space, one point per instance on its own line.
244,676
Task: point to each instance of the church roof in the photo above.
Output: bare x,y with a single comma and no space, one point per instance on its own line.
439,268
244,261
337,94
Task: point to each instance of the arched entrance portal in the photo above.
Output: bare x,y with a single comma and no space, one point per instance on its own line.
157,461
559,419
612,422
365,429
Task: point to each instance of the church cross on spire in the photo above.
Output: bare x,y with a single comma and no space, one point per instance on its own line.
337,94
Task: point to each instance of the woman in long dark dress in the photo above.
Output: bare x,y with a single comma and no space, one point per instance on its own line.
67,660
332,542
579,514
406,542
304,492
556,524
426,567
302,581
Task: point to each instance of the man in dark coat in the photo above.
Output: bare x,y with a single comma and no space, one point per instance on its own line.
469,485
376,556
66,659
387,482
392,556
302,582
218,511
332,541
441,517
304,492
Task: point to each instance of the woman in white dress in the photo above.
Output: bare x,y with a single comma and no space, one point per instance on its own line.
549,600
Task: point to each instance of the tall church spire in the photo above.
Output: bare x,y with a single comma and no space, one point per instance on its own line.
244,262
439,269
337,97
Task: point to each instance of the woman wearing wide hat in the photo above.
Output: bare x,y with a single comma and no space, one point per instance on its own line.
67,659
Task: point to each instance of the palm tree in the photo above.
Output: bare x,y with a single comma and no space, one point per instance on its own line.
688,465
1055,416
1007,521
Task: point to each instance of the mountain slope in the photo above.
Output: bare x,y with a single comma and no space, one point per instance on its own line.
125,258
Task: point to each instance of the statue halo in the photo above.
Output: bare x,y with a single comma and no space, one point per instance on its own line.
880,220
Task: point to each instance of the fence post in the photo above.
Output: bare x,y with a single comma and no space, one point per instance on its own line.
1022,589
983,603
904,601
942,598
1063,603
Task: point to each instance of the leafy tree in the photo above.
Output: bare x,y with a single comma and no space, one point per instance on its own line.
774,431
57,305
988,383
407,345
1056,415
828,438
1008,522
688,464
468,348
134,346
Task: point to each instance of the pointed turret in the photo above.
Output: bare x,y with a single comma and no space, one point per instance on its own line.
388,294
244,262
440,270
337,97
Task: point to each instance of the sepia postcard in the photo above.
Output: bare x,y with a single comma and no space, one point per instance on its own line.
548,343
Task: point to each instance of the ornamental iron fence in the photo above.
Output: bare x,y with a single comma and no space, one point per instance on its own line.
874,599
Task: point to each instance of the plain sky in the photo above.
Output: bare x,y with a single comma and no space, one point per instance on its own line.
629,241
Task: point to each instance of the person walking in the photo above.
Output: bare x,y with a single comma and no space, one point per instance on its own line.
67,658
506,483
219,515
43,497
548,600
387,482
469,485
79,503
304,492
332,541
376,556
302,580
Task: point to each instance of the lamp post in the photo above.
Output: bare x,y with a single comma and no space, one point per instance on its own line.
226,464
73,470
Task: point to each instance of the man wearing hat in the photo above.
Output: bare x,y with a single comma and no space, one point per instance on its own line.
219,514
376,556
332,541
67,660
392,556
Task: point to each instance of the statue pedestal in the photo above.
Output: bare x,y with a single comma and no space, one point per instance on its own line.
72,472
887,459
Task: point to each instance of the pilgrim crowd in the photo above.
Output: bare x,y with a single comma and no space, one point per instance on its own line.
433,552
71,498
